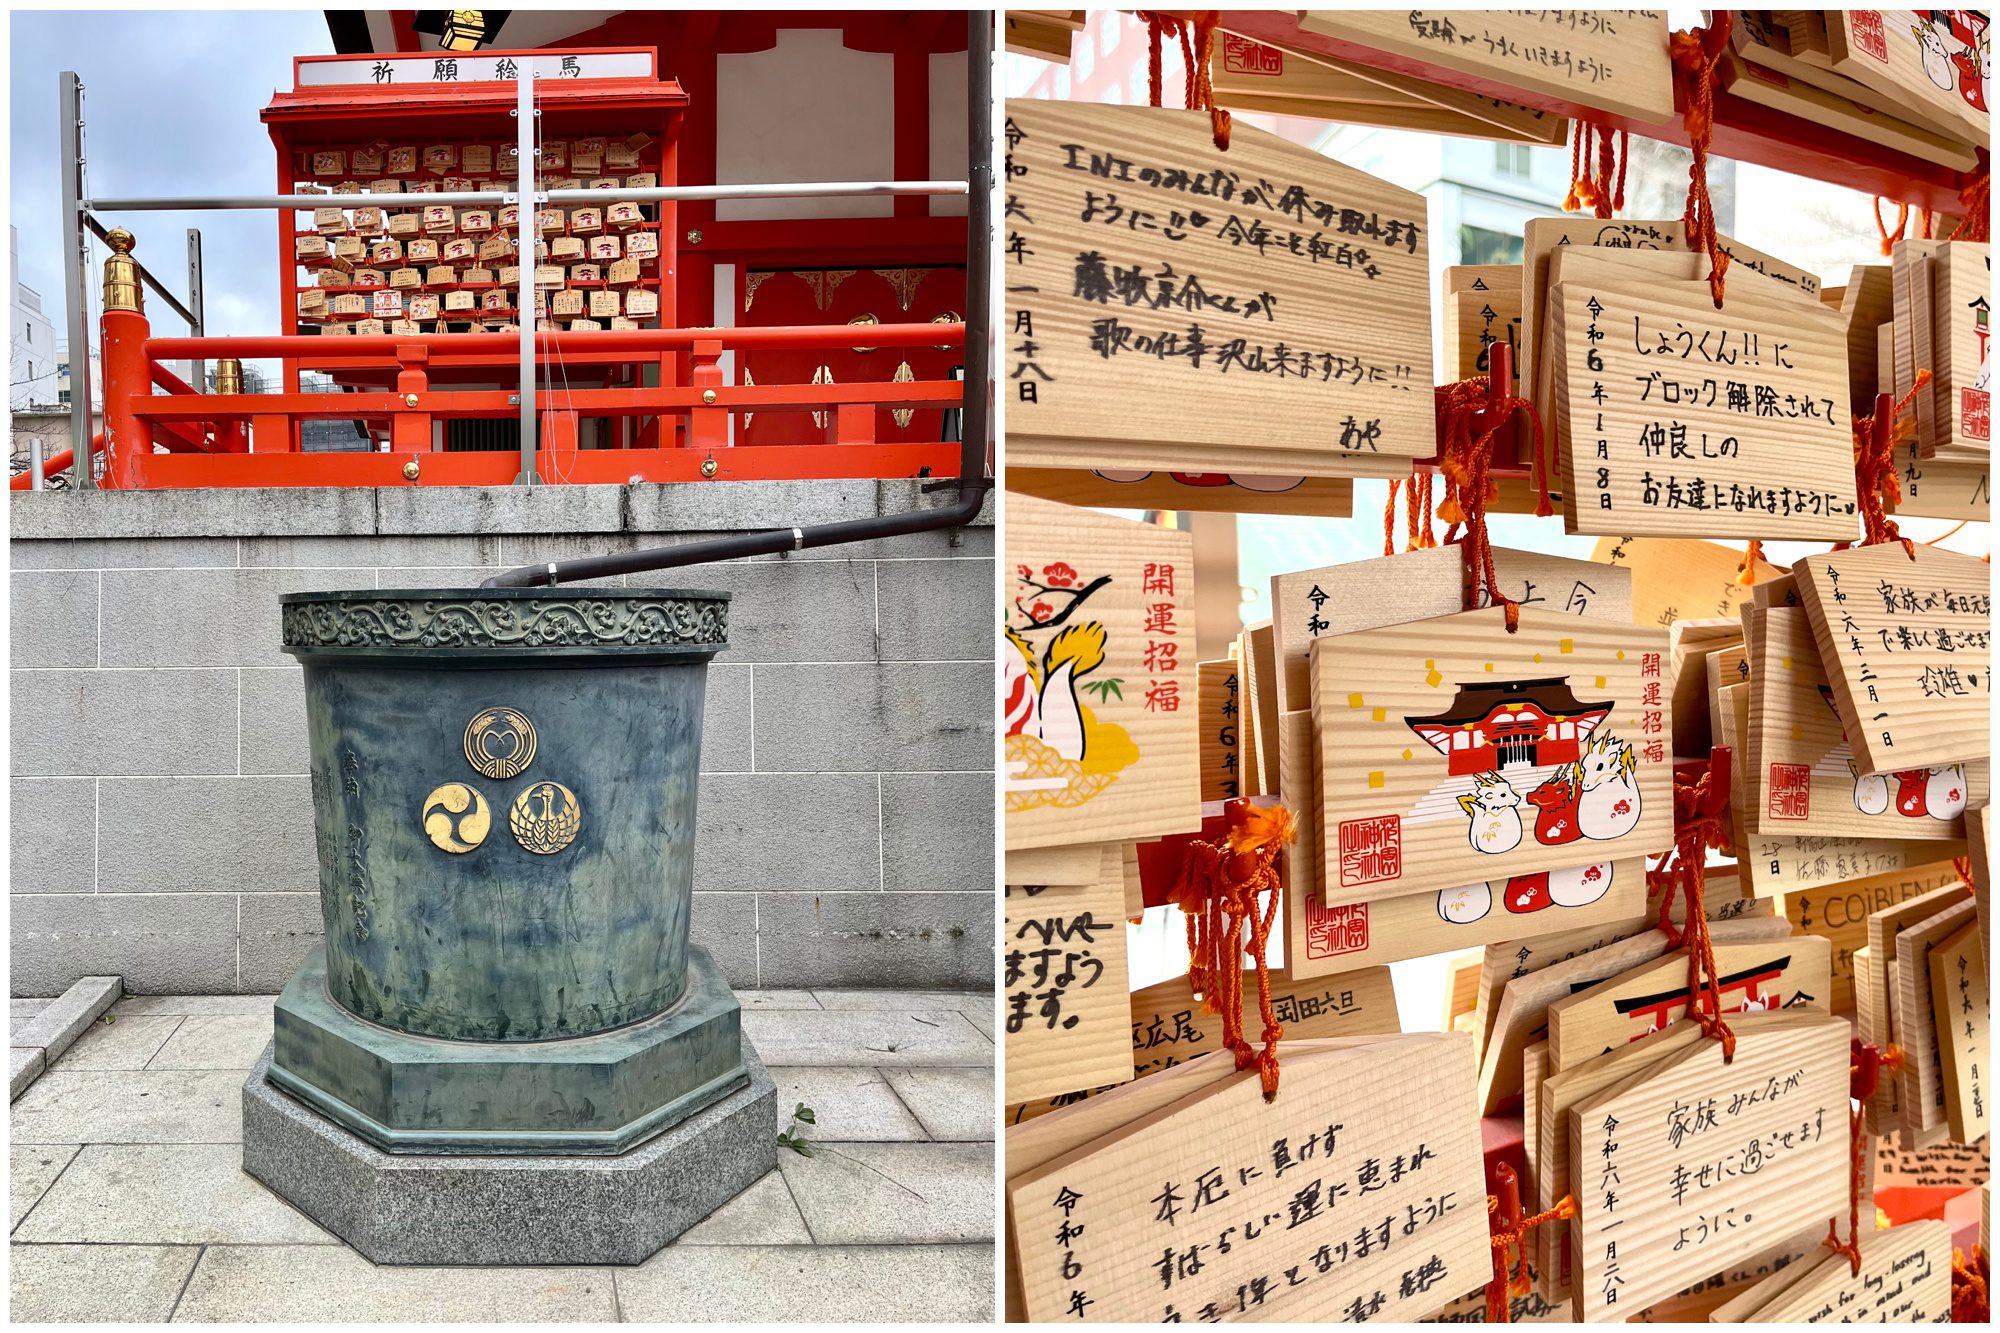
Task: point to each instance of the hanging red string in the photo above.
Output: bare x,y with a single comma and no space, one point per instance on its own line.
1601,190
1417,506
1701,821
1875,473
1746,569
1862,1077
1697,57
1969,1280
1464,461
1886,237
1218,894
1974,216
1510,1279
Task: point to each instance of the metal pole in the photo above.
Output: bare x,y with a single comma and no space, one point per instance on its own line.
199,366
158,288
979,256
654,195
35,481
76,272
524,138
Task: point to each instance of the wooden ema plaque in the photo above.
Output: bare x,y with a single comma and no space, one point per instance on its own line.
1676,579
1612,62
1805,779
1203,492
1221,716
1939,488
1932,62
1101,728
1729,423
1757,977
1905,1278
1962,1017
1838,913
1874,989
1065,979
1452,752
1912,1013
1170,1027
1161,294
1358,1194
1695,1161
1475,318
1907,646
1961,300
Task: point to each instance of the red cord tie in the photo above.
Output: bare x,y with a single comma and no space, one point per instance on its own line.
1465,460
1701,811
1197,38
1876,476
1218,895
1603,192
1697,58
1509,1278
1975,204
1969,1280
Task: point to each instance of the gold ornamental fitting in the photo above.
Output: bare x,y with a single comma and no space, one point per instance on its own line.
121,274
229,375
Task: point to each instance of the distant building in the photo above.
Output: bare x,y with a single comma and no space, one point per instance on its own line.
32,376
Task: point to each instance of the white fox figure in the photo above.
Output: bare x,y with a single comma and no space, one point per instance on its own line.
1040,698
1871,793
1610,804
1495,810
1465,904
1944,792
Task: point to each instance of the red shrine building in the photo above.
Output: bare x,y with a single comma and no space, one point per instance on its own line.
750,335
1490,726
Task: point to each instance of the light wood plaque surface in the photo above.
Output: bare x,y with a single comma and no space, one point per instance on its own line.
1092,1226
1683,418
1838,913
1160,291
1678,579
1670,1193
1203,492
1101,733
1913,1014
1906,643
1962,1013
1417,799
1903,54
1064,972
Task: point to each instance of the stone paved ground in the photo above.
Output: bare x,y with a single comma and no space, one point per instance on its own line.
129,1201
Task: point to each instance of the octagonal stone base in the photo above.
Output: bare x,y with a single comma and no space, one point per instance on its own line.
602,1093
402,1208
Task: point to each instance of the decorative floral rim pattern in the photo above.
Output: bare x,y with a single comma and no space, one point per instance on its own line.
563,622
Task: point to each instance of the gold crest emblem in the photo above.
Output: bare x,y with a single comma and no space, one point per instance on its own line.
456,818
545,818
500,743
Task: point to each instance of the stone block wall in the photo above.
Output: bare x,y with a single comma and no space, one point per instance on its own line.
161,818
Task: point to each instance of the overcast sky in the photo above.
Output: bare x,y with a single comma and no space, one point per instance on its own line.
170,108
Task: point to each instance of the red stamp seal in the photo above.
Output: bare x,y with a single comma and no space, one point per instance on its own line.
1868,33
1791,792
1331,931
1371,850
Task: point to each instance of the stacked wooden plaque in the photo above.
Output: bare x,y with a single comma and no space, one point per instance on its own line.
1487,795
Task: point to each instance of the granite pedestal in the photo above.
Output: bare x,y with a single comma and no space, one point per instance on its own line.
403,1208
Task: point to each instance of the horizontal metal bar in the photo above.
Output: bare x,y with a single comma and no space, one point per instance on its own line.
560,340
500,403
664,194
146,276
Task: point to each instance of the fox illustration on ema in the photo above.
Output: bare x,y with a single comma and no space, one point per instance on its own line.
1523,894
1058,752
1609,806
1041,696
1494,808
1918,793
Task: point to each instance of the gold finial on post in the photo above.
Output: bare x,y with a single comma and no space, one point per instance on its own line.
228,375
121,274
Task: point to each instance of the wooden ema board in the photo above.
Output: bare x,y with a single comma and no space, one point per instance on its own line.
1221,715
1744,78
1475,319
1838,913
1695,1161
1203,492
1065,978
1804,778
1558,1092
1612,62
1162,293
1961,311
1540,239
1962,1016
1310,604
1799,49
1221,1205
1732,423
1867,304
1044,34
1874,992
1521,1015
1905,1278
1433,775
1912,1015
1910,268
1677,579
1691,646
1100,724
1256,76
1906,643
1055,865
1170,1027
1927,60
1949,1168
1261,671
1979,854
1792,973
1939,488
